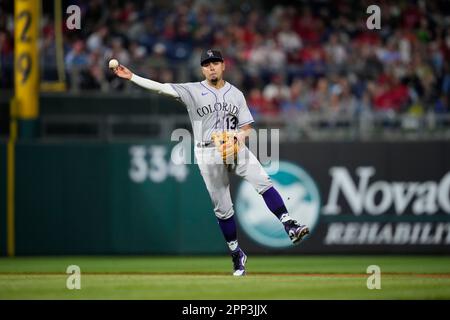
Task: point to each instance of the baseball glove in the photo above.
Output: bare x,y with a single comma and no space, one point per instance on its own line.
227,144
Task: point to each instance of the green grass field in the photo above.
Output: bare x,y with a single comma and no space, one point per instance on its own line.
192,278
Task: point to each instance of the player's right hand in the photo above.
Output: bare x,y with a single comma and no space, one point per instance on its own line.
123,72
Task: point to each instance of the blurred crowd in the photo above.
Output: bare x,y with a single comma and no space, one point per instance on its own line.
314,56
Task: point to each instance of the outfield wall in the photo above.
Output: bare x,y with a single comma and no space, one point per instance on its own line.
125,198
2,199
110,198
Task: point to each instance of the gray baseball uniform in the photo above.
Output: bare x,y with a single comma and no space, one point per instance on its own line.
216,110
223,109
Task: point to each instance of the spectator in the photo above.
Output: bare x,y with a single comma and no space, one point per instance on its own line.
331,61
256,102
276,91
297,101
96,41
77,56
320,99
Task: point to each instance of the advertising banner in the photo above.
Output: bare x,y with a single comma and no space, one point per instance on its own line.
356,198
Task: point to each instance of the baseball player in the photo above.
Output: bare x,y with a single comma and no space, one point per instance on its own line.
221,122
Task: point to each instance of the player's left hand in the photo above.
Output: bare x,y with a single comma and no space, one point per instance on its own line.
227,144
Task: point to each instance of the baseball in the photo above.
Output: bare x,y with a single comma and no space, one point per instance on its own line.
113,63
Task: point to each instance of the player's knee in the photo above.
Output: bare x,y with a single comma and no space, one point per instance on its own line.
263,188
263,184
224,214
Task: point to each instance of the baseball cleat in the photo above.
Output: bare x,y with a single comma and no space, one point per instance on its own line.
239,260
295,231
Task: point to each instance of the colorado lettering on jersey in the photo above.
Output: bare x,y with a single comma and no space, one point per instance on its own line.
215,109
218,106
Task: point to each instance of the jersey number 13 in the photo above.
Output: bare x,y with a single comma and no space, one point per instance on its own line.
231,122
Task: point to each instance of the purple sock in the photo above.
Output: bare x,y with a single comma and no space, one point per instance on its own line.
228,227
274,202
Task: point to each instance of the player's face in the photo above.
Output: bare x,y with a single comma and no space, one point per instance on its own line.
213,71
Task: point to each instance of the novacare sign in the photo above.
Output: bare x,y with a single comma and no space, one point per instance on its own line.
424,197
359,209
386,212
